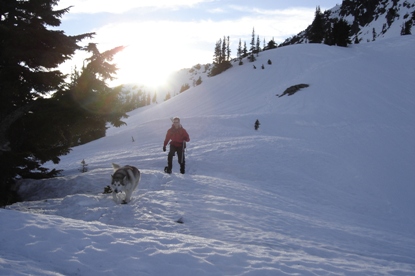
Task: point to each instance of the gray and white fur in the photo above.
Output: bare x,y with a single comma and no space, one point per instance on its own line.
124,181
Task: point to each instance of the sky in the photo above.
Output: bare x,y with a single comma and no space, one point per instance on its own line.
325,186
180,33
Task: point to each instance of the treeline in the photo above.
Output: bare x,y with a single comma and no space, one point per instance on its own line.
222,54
221,57
330,31
133,98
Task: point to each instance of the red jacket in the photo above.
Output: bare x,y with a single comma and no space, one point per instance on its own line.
177,136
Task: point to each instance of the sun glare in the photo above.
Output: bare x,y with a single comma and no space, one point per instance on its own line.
156,50
140,67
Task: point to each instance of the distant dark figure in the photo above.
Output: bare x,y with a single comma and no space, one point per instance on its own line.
263,67
269,62
257,124
254,67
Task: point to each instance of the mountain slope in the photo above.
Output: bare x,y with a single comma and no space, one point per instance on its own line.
325,186
369,20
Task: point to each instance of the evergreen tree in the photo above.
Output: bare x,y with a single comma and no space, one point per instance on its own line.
148,101
239,53
341,33
406,28
252,49
86,105
272,44
168,96
154,100
257,46
223,52
328,36
217,56
36,127
220,58
245,50
184,87
29,56
315,33
228,50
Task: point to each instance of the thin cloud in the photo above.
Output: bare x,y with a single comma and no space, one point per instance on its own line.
268,24
121,6
216,10
287,11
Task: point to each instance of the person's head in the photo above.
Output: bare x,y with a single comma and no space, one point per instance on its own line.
176,122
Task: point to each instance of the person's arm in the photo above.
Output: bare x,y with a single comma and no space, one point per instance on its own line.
186,137
167,139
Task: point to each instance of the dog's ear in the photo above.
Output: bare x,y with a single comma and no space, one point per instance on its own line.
115,166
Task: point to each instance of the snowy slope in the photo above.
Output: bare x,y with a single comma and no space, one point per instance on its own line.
324,187
388,17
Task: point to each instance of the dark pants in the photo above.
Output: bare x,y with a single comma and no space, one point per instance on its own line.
180,157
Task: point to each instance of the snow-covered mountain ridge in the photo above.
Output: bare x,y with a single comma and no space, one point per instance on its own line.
369,20
324,187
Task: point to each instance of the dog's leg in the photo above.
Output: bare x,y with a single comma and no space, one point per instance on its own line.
114,197
132,186
127,196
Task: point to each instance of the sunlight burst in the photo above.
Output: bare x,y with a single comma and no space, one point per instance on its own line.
136,66
154,52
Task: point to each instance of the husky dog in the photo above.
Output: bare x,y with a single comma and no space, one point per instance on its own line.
124,180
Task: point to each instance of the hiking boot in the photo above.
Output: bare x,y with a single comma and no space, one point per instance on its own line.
182,169
167,170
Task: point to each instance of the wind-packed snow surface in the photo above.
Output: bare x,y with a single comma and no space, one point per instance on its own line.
325,186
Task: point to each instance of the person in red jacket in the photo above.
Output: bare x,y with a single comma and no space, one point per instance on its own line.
177,136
